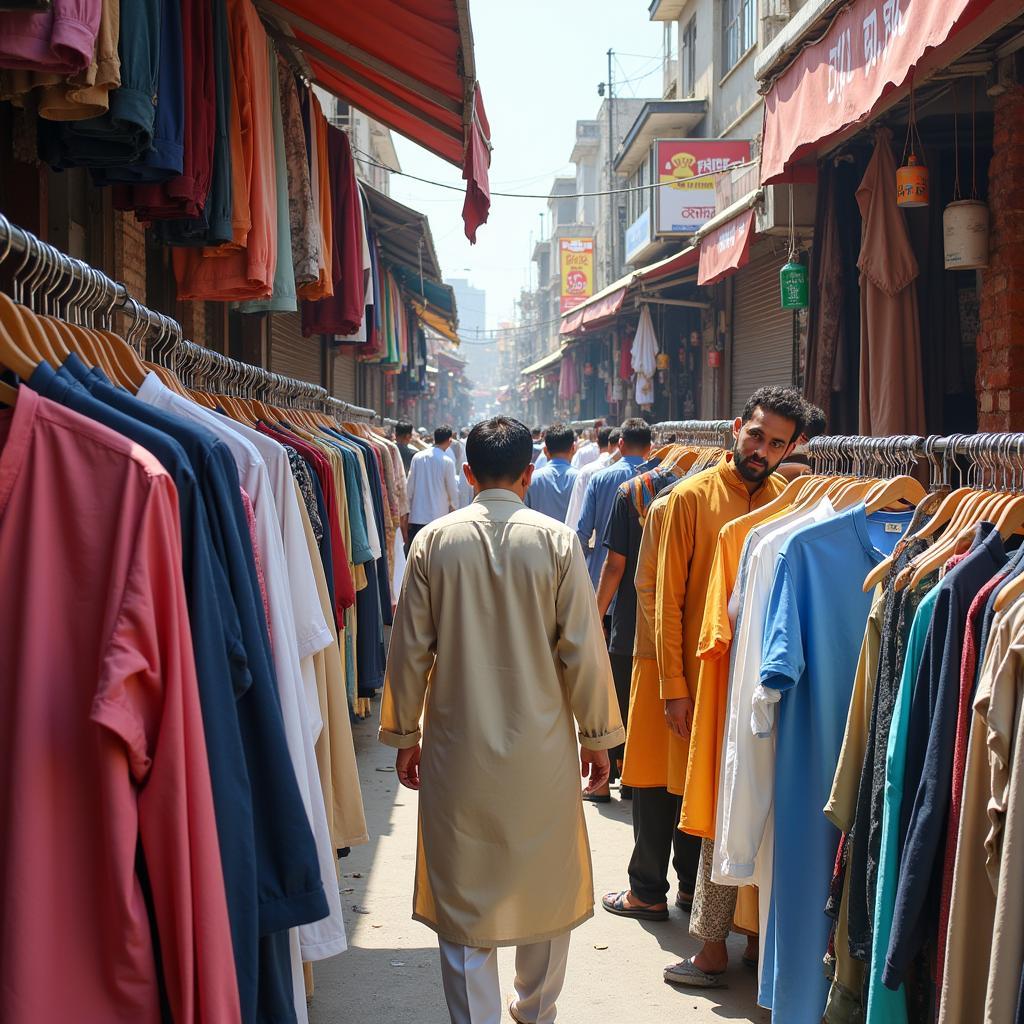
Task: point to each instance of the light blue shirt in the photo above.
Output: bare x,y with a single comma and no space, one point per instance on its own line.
597,509
884,1005
815,623
551,488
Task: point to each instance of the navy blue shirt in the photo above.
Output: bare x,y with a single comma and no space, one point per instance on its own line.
930,741
289,887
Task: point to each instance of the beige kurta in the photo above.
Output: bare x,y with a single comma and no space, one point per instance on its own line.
497,635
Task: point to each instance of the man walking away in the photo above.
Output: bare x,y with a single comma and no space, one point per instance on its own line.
608,450
403,438
503,856
552,484
635,446
433,489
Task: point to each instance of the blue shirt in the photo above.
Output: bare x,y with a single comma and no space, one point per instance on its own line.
551,488
597,509
815,623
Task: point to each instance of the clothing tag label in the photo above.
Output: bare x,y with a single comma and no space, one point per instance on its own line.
893,527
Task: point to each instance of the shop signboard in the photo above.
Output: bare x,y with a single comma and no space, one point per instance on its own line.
576,261
685,196
638,235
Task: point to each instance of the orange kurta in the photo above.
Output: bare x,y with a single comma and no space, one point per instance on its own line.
697,509
650,746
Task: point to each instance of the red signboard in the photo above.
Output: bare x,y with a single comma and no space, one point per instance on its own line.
870,48
725,249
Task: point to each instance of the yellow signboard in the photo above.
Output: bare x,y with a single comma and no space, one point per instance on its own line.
576,260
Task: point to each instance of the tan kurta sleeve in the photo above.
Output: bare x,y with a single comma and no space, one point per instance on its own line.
584,658
410,657
674,557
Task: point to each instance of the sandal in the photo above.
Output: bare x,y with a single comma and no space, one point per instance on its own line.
684,901
616,903
597,798
686,972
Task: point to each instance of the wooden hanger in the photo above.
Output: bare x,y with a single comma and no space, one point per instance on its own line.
901,488
17,351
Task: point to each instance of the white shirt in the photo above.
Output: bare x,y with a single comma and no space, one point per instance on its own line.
579,488
433,491
748,760
586,453
288,607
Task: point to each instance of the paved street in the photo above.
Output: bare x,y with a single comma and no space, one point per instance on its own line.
390,973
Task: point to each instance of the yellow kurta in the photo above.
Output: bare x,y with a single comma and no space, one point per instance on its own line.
698,508
711,707
498,646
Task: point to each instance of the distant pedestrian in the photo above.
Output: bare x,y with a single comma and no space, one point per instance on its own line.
433,489
552,483
403,438
634,446
607,449
503,856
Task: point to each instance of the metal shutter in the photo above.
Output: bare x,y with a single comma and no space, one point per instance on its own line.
291,354
344,384
762,332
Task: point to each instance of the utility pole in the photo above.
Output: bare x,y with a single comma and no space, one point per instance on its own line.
613,206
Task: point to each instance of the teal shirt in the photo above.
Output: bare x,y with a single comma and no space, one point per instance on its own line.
885,1006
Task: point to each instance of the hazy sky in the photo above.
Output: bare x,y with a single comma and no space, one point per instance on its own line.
539,63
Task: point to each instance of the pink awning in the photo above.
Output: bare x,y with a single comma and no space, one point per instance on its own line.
572,323
595,310
870,49
726,249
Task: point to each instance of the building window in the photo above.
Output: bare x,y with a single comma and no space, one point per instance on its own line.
688,72
739,30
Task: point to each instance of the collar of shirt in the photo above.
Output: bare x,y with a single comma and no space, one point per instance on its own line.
497,494
731,475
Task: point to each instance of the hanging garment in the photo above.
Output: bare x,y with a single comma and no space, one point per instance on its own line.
61,39
110,715
643,355
891,394
303,220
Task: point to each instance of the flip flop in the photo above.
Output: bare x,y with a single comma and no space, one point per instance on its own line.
684,902
687,973
615,903
597,798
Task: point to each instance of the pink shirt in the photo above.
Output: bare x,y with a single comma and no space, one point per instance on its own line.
101,738
61,40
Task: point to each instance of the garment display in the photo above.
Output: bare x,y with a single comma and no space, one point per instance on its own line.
221,678
835,664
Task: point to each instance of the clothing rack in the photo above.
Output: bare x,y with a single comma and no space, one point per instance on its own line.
45,277
696,432
585,424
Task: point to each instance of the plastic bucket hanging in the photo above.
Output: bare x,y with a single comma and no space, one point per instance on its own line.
965,235
965,221
793,285
912,177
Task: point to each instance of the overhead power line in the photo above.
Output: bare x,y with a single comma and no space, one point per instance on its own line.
547,195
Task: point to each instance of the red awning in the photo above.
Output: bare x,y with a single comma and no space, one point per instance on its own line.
572,323
408,64
726,249
600,307
869,50
682,260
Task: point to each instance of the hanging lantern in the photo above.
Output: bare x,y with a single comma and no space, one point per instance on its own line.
662,360
965,221
912,184
793,284
714,358
912,177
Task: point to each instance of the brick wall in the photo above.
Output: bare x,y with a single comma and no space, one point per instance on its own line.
1000,381
130,254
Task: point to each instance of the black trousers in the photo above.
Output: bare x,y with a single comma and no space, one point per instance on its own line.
622,673
656,837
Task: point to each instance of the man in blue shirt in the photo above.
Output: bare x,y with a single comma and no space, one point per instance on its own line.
635,446
551,487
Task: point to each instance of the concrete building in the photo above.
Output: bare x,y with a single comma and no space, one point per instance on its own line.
478,348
